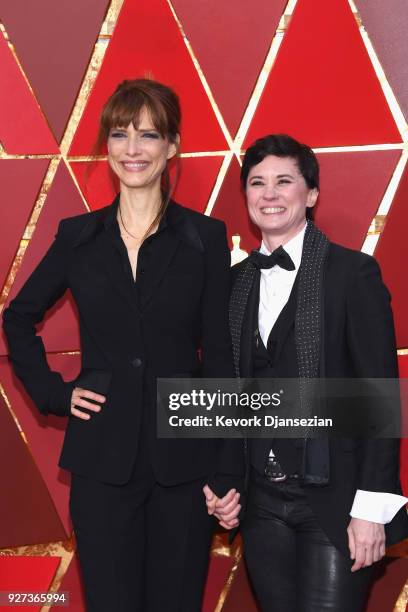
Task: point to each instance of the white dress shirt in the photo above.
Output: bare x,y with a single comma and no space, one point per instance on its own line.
275,287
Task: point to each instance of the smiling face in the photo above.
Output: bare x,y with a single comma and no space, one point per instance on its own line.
139,156
277,197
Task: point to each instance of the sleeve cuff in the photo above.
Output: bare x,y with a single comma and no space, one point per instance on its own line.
220,484
376,507
61,400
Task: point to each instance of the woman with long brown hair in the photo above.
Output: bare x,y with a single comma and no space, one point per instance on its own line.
150,280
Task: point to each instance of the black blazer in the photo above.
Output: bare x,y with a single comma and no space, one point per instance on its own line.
171,322
358,342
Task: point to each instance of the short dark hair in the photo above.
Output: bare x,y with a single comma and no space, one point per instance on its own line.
282,145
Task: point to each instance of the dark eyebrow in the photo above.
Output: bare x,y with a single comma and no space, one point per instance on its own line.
277,176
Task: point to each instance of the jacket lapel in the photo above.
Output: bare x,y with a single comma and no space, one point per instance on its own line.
177,227
107,251
249,328
243,301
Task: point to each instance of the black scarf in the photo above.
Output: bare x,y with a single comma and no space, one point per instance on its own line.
309,328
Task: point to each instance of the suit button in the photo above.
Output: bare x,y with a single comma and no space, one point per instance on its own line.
136,362
141,271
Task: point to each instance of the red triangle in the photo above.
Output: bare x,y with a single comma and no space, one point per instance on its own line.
230,206
218,572
23,129
60,328
233,60
323,89
20,181
72,582
403,366
196,181
240,595
197,176
27,574
392,254
39,32
23,523
44,434
147,40
96,181
386,25
352,187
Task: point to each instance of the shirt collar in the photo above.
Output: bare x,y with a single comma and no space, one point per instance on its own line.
293,247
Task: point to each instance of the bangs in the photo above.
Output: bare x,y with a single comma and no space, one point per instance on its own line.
125,107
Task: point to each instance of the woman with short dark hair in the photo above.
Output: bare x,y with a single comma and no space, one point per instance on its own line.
303,307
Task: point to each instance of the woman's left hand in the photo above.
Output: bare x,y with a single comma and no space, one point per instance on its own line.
366,542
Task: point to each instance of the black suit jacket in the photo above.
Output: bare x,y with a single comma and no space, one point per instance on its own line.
171,322
358,341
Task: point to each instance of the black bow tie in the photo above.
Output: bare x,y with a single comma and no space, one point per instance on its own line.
279,257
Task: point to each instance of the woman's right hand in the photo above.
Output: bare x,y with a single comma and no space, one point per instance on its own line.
79,398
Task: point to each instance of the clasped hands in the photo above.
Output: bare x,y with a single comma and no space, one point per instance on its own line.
225,509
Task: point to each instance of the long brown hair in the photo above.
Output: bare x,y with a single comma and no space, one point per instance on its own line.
125,105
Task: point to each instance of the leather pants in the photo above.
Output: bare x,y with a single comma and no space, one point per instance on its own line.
292,564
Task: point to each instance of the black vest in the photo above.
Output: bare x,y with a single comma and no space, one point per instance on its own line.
277,360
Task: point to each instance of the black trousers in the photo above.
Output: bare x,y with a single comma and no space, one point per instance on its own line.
142,547
292,564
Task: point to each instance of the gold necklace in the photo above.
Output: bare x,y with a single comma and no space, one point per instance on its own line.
125,228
